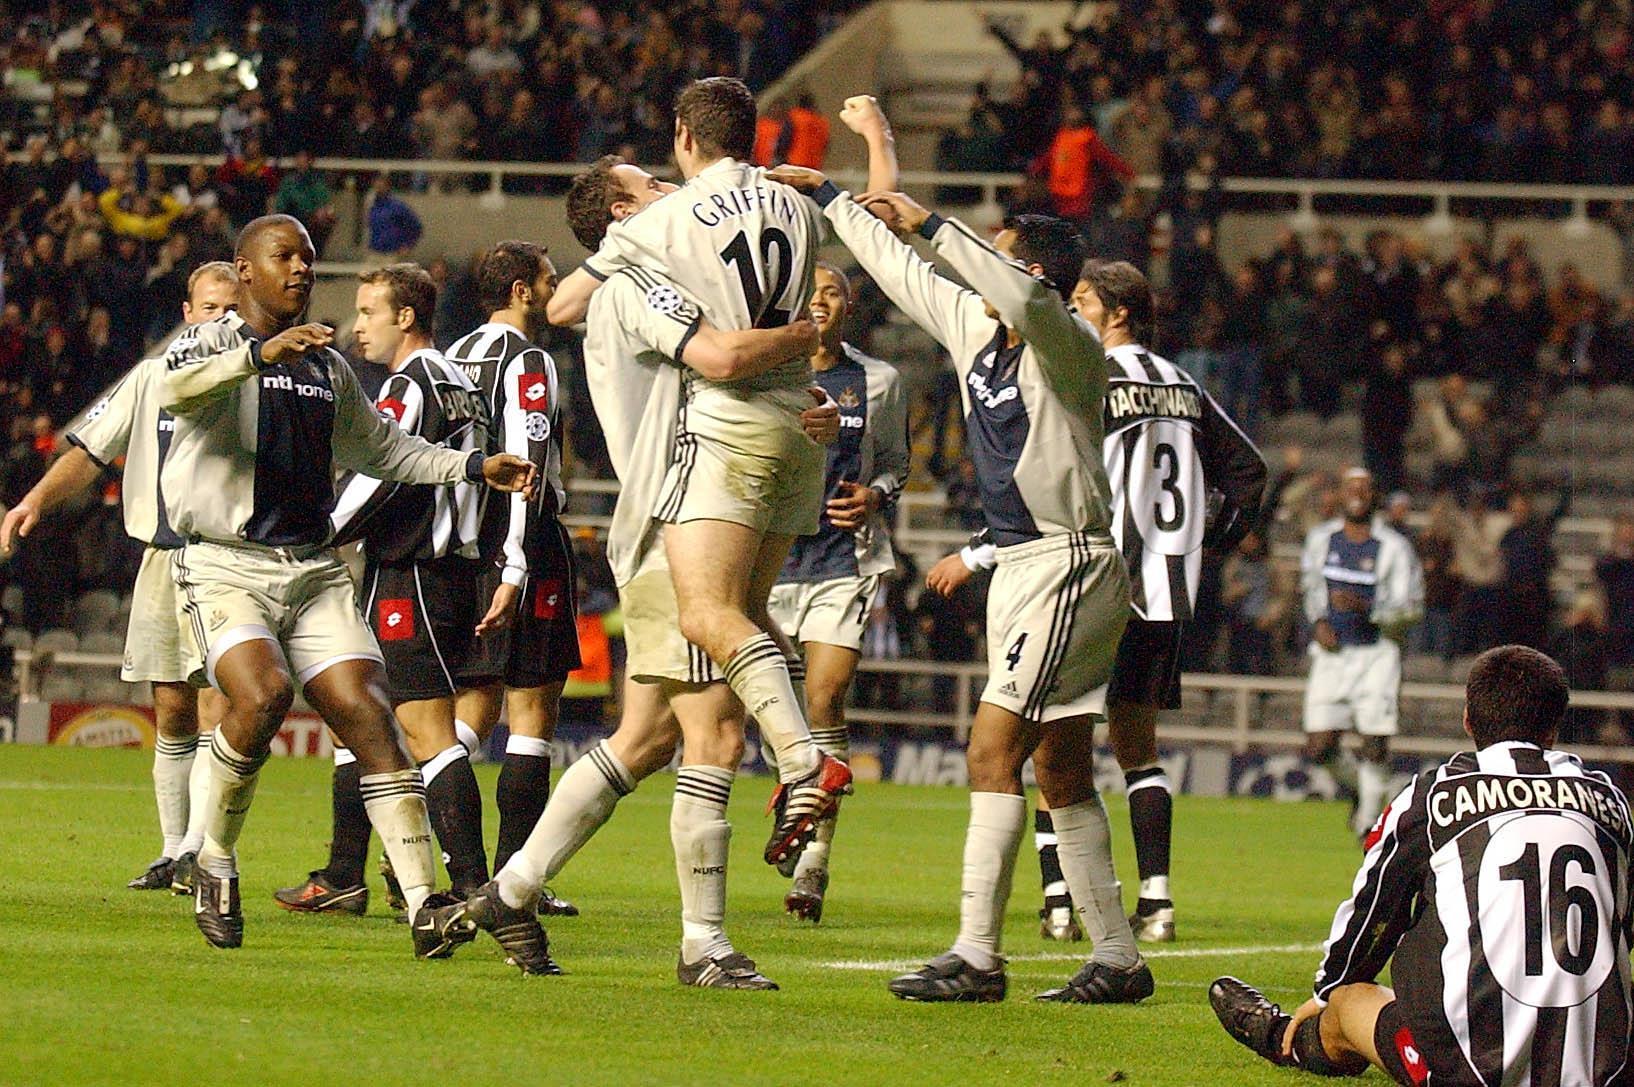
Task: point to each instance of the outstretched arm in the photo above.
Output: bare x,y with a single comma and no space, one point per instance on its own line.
736,356
862,114
572,298
72,473
205,363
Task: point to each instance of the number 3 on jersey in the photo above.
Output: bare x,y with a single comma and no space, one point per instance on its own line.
767,308
1014,656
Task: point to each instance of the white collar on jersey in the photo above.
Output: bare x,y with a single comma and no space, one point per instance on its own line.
719,166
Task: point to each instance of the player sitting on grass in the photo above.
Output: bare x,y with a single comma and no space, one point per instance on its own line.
1496,887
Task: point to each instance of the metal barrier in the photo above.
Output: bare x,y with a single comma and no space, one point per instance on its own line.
1304,192
1244,732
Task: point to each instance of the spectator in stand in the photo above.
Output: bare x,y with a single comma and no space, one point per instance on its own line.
1253,611
44,571
1437,554
1242,357
246,182
1478,563
1387,410
1615,572
1326,349
305,194
394,228
1582,646
144,215
1078,165
493,56
1529,561
808,134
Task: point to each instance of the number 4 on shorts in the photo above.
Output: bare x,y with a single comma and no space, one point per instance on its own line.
1014,656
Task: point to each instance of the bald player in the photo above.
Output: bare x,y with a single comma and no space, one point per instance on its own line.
129,423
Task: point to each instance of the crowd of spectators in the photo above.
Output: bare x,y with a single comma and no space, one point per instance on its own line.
1455,90
508,80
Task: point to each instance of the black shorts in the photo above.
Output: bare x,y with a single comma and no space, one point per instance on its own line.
420,615
1147,671
541,644
1402,1057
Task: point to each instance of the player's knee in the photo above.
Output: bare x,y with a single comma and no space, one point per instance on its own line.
265,700
175,710
825,705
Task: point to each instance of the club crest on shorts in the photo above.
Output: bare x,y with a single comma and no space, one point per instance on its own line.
664,299
217,617
547,598
537,425
532,392
392,408
394,620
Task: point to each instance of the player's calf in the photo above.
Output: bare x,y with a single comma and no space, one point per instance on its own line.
1262,1026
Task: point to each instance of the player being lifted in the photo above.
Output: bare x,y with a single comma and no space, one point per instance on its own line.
1363,589
826,590
419,590
639,325
1496,887
129,423
1184,477
1033,377
529,638
265,411
746,480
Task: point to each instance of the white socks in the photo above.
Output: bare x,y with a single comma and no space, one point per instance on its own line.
396,803
991,842
440,762
172,767
1372,782
467,736
227,804
1084,847
836,742
1154,887
583,800
198,797
759,675
702,838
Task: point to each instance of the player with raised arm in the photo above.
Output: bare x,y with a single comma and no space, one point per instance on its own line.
129,423
419,590
265,411
1363,588
746,480
826,590
640,324
1496,889
528,636
1184,478
1033,377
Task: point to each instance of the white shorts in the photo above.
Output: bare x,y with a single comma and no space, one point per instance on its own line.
768,478
1055,613
231,594
653,645
153,641
1357,685
833,612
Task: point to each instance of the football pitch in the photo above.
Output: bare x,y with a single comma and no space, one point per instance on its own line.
104,985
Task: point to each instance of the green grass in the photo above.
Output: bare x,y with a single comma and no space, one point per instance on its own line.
107,986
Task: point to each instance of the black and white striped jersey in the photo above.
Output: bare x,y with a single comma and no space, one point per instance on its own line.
1167,446
429,397
1497,887
518,380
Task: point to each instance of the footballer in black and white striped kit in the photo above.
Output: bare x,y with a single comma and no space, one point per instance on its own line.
1496,888
528,635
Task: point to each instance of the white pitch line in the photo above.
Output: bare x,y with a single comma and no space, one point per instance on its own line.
1176,953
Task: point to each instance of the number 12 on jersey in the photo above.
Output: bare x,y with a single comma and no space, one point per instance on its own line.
767,308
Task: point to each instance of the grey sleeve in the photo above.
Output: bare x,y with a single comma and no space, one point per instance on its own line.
367,442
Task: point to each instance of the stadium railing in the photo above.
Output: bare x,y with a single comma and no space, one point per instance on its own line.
1436,197
1243,730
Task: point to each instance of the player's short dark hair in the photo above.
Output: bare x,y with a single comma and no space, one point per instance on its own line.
590,201
1515,693
212,269
407,286
1119,284
1053,244
502,266
256,227
838,273
720,114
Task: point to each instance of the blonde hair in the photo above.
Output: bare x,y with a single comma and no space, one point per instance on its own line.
215,269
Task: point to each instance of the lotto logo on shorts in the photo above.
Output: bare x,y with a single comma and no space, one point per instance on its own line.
547,599
392,408
1412,1058
394,620
532,392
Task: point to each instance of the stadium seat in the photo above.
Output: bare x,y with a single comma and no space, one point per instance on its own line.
1423,668
57,641
106,689
103,642
94,610
62,687
17,638
11,599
